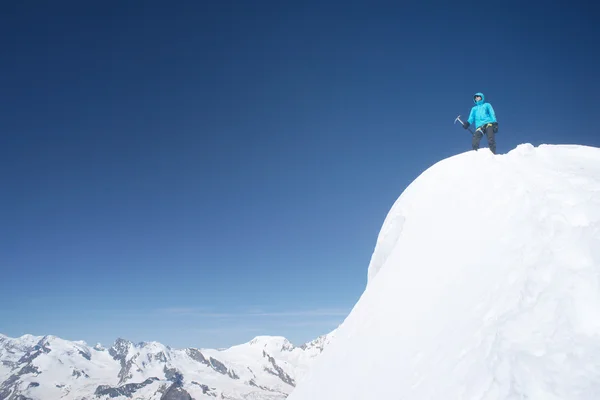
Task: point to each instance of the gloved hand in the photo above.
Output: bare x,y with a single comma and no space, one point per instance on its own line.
466,125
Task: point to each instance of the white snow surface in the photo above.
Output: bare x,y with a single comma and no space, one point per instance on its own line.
484,284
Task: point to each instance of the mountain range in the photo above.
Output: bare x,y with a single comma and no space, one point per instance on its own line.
51,368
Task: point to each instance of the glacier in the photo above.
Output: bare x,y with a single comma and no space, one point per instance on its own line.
484,284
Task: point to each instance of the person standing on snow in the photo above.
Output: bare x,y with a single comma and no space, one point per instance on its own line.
482,114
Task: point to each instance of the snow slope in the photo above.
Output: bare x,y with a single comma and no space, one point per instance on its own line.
49,368
484,284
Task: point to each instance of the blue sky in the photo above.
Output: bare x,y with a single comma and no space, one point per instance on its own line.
201,172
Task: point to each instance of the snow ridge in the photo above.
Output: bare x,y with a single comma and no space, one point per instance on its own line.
484,284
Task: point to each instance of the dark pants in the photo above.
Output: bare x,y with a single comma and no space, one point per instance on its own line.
489,133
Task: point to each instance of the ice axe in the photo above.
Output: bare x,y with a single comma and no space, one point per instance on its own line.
463,124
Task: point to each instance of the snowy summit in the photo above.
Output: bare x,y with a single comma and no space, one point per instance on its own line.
484,284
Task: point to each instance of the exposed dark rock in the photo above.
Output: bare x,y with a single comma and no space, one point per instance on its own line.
278,371
44,344
118,352
78,373
196,355
29,369
252,382
29,356
10,364
162,389
125,372
319,343
85,355
119,349
215,364
11,379
4,392
10,393
218,366
205,389
232,374
176,392
126,390
6,387
173,375
160,357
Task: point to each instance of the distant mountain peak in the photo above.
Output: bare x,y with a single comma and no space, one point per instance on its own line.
272,342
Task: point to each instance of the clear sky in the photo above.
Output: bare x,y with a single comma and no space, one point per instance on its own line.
202,172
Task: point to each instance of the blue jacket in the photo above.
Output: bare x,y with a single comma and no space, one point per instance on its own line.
482,113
